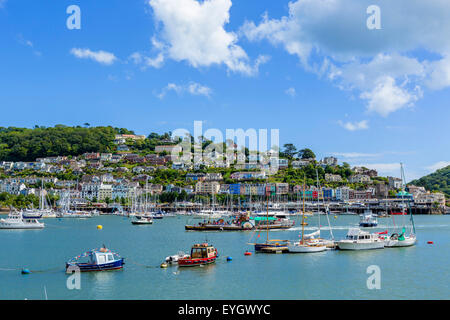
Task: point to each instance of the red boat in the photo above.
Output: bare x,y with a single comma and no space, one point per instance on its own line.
201,254
399,213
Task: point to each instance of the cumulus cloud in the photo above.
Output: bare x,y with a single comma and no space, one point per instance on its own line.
192,88
194,32
330,38
101,57
354,126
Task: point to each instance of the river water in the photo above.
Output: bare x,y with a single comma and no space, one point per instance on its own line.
419,272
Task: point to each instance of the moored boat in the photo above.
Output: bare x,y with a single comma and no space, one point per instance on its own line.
101,259
141,220
201,254
357,239
16,220
368,220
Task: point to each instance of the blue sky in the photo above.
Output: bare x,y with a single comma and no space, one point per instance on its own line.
311,69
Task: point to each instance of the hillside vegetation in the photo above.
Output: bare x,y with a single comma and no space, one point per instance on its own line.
23,144
437,181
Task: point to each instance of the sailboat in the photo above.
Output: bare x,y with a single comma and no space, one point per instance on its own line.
44,210
402,240
270,246
303,246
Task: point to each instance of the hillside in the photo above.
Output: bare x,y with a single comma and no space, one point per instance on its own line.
24,144
437,181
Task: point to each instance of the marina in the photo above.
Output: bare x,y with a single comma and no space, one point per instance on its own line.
332,274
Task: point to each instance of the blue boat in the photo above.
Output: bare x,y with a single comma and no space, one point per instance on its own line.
368,220
101,259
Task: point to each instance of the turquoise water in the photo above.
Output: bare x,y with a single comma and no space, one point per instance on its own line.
419,272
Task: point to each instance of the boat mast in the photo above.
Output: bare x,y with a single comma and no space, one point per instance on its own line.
409,204
303,215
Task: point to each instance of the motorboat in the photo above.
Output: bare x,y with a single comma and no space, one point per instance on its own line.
368,220
358,239
201,254
101,259
16,220
142,220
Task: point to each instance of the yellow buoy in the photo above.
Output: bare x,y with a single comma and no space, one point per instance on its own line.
335,217
99,227
163,265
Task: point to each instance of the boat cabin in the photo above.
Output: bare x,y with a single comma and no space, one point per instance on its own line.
357,234
101,257
203,250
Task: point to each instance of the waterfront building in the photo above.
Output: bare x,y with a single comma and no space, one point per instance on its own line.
282,188
212,187
235,188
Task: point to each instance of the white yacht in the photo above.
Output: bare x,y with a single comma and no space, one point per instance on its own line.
16,220
357,239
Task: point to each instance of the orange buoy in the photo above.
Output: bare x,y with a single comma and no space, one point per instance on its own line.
247,253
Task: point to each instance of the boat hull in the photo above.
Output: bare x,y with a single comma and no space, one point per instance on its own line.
297,248
85,267
187,262
368,224
351,245
408,242
270,247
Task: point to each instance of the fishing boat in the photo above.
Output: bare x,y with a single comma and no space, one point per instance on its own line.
16,220
304,246
357,239
201,254
101,259
368,220
142,220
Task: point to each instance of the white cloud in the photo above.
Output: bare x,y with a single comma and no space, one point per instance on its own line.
101,57
438,165
376,63
192,88
387,97
355,154
354,126
384,169
291,92
194,32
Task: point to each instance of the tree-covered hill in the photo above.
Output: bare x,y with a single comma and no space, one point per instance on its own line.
24,144
437,181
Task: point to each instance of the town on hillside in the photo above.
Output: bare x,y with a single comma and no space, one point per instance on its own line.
116,178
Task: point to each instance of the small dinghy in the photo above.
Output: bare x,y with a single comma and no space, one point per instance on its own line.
98,260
